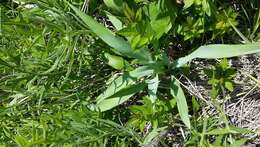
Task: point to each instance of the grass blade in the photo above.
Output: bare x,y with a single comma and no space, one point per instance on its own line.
176,92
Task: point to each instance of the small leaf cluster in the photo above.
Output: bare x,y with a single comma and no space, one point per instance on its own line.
220,77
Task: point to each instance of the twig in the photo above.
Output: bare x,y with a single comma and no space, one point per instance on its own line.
196,93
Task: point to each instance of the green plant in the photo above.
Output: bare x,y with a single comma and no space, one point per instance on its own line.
206,132
68,80
125,86
149,113
220,78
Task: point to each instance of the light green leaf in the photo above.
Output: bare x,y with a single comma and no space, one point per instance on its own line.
229,85
105,34
21,141
159,22
188,3
115,61
135,41
115,21
129,90
220,51
176,92
139,41
120,97
152,88
206,7
161,26
141,72
119,44
118,84
195,104
110,98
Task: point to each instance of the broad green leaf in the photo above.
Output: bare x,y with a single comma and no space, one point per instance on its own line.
160,22
108,104
110,98
124,80
176,92
115,61
120,97
105,34
141,72
152,88
161,26
115,21
220,51
128,31
129,90
118,84
119,44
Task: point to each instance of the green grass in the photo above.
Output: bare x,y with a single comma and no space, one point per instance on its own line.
104,77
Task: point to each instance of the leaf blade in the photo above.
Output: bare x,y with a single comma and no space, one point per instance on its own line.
152,88
115,61
120,97
177,92
118,43
220,51
110,98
